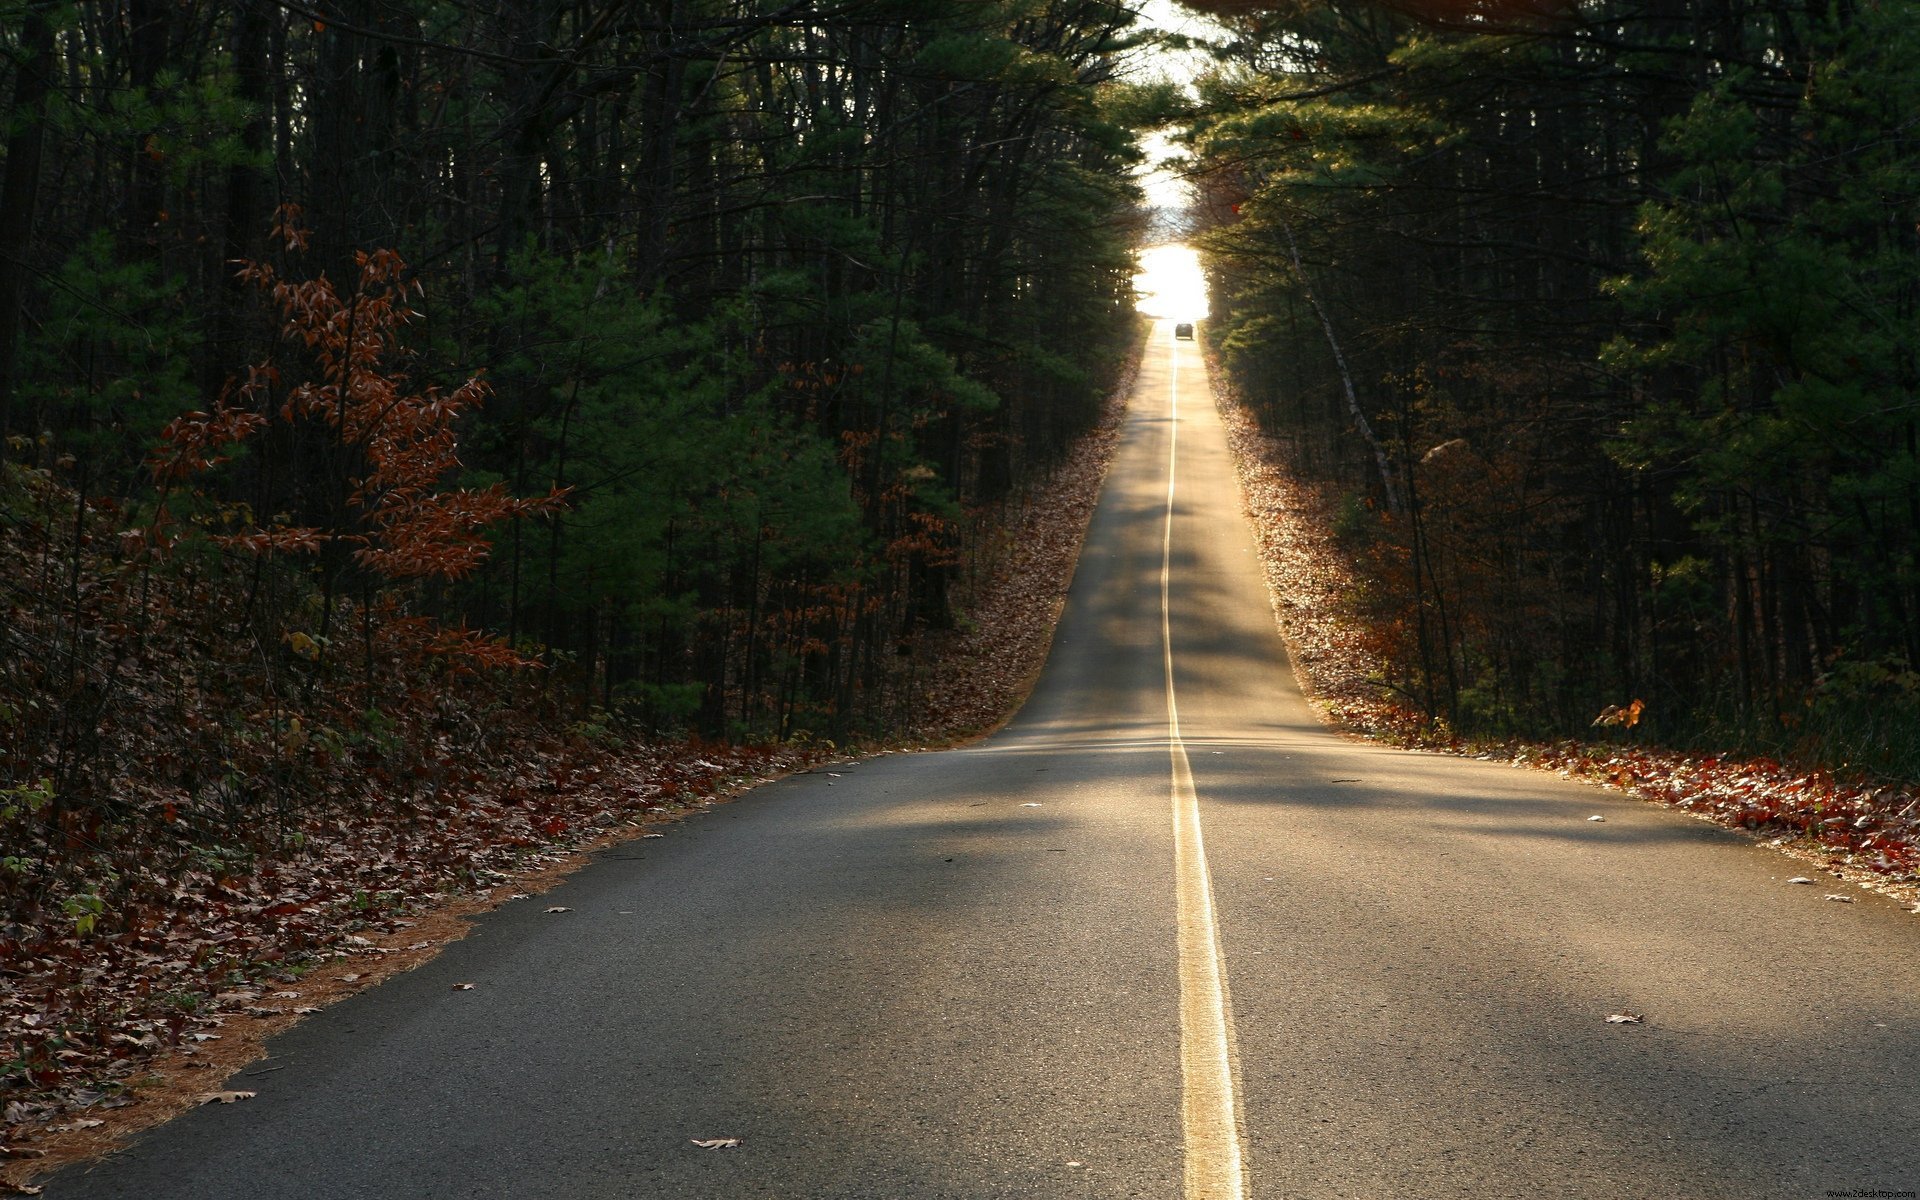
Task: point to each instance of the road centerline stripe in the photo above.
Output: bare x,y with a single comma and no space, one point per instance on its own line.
1210,1108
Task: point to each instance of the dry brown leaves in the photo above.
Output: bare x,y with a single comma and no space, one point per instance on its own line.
119,1030
1308,580
979,674
1861,831
109,1028
1865,832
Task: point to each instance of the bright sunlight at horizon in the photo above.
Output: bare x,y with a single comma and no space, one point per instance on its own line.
1170,283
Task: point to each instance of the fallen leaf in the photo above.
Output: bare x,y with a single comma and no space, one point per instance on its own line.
716,1143
471,826
226,1097
349,979
18,1189
1627,715
1623,1018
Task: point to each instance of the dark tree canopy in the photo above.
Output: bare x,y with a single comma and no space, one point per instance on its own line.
783,297
1626,296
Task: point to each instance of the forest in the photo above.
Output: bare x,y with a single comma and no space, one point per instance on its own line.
370,366
1597,323
439,437
375,374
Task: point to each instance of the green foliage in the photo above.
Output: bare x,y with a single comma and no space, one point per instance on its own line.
790,300
109,362
1780,267
377,731
86,909
1356,526
790,306
17,801
181,123
899,363
1658,278
682,469
1134,105
671,705
1865,716
25,798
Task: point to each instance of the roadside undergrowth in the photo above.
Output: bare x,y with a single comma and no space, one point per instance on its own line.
1864,830
147,951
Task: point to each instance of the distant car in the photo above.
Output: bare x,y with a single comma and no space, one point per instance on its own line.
1184,330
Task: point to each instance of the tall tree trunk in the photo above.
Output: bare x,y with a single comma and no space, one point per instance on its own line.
248,186
147,46
1346,376
19,194
660,114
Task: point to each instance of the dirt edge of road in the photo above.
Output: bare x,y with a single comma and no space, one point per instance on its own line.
1013,621
1305,579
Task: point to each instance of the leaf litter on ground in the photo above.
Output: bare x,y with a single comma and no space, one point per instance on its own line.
366,866
1868,830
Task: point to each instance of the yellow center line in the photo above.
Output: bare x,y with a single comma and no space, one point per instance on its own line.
1210,1108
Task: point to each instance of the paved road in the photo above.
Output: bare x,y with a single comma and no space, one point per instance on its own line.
1109,953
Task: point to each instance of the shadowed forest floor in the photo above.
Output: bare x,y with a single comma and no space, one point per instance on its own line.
1864,832
119,1023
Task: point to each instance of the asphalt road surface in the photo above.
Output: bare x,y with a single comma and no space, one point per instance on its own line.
1162,936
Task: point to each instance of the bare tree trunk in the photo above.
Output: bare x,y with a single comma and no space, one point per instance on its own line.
1346,376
